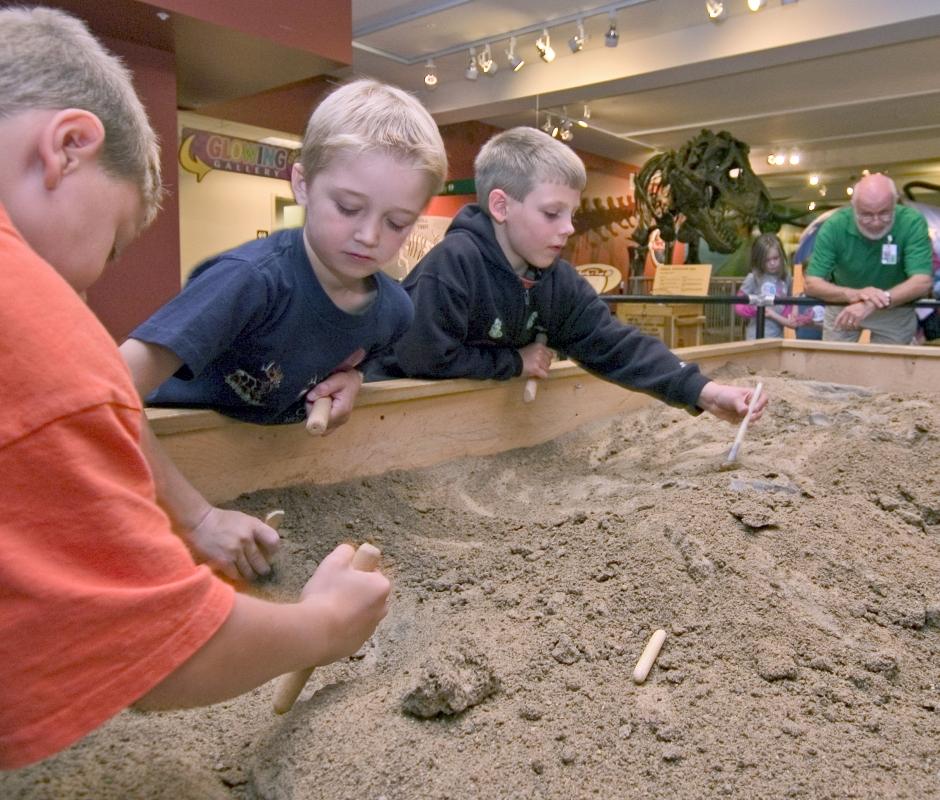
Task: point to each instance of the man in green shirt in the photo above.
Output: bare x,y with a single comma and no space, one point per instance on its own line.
876,256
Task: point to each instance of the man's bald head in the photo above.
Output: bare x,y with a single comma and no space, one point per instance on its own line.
873,202
876,189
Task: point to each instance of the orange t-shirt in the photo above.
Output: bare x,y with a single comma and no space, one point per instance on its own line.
99,600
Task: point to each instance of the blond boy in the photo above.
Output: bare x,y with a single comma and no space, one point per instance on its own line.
261,331
497,279
101,606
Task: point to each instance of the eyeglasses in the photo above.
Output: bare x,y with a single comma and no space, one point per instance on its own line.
877,216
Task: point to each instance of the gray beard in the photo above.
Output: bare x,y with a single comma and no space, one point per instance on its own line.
875,237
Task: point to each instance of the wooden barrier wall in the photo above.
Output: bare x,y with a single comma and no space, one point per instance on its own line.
407,424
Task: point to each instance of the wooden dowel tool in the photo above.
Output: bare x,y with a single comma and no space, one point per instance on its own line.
290,686
650,652
733,452
319,418
274,518
532,385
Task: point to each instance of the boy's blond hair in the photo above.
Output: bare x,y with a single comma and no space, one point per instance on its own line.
519,158
367,115
50,60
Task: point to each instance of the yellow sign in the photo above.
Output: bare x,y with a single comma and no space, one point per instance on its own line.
685,279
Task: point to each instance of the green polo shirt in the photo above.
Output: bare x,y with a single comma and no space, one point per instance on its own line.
841,255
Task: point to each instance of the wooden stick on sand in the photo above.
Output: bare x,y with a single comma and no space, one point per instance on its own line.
650,652
532,385
733,452
290,686
319,417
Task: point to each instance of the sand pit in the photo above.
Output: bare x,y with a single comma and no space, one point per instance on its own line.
800,593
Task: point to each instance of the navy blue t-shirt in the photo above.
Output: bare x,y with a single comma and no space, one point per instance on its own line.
255,331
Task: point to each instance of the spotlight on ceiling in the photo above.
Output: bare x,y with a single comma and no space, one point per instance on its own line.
472,72
715,10
543,46
430,74
794,158
488,65
611,38
515,62
576,42
814,180
585,116
756,5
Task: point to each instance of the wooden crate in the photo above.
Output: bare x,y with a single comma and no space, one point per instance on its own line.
677,324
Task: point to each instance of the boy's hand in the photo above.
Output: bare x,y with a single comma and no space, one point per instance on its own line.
730,402
236,544
353,602
536,359
341,388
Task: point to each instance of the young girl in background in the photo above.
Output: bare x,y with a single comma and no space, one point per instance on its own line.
769,275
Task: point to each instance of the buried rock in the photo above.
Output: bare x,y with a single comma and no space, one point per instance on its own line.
451,683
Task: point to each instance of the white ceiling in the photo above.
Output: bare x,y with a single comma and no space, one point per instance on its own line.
852,84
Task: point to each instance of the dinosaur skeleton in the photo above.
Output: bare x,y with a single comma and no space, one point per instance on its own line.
704,189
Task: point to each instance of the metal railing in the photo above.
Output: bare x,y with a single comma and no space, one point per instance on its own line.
761,303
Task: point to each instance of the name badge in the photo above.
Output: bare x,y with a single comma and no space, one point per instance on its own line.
889,254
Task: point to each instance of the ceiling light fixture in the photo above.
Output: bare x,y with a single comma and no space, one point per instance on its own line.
543,46
794,158
812,205
814,180
756,5
430,74
715,10
472,72
515,62
611,38
488,65
576,42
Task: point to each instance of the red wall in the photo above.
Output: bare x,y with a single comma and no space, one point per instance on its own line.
148,272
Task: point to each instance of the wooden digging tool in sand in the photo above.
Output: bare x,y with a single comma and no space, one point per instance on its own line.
319,417
532,385
733,452
291,685
650,652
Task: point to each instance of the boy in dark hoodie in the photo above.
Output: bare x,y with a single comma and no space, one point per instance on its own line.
496,281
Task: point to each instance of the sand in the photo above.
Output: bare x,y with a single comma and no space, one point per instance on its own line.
800,594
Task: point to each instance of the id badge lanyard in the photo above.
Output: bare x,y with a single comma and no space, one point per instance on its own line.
889,252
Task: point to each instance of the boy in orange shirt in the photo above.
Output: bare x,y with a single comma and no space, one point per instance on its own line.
101,605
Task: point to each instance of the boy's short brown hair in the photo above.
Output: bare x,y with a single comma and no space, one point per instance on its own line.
519,158
367,115
50,60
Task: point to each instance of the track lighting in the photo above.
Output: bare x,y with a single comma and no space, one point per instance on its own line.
430,74
487,65
585,116
543,46
515,62
576,42
756,5
472,72
715,10
611,38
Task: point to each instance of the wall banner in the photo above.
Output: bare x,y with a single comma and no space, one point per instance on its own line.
203,151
